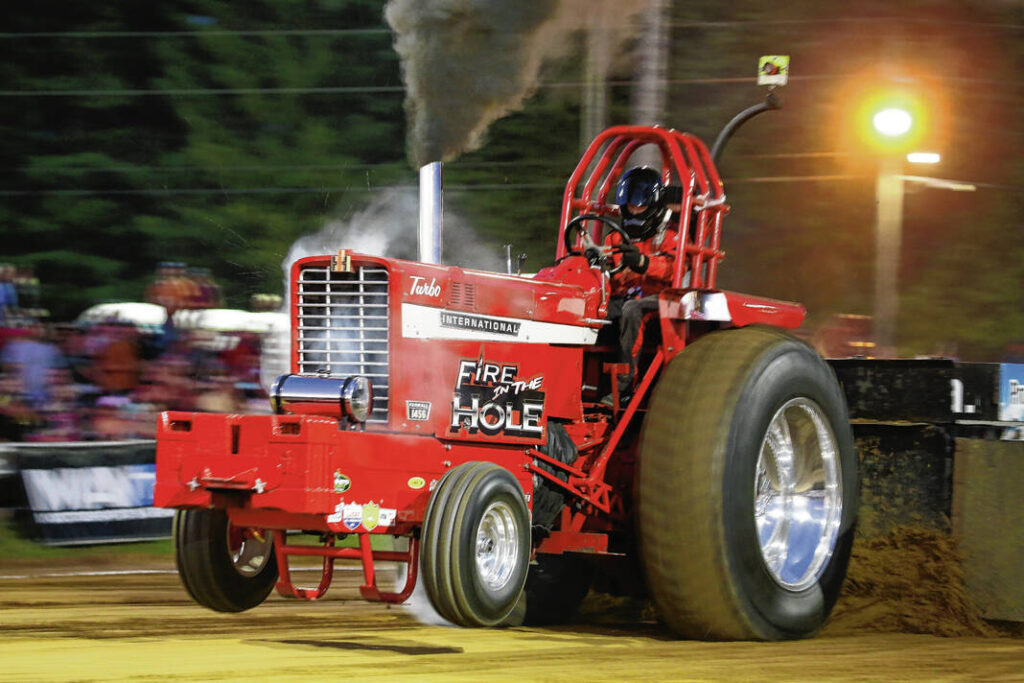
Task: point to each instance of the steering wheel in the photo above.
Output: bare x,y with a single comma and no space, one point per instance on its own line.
591,250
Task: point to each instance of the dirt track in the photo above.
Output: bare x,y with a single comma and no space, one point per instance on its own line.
143,626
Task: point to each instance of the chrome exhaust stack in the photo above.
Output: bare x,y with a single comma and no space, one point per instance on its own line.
430,229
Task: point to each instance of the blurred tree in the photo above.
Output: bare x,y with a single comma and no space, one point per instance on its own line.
74,165
278,155
101,180
226,181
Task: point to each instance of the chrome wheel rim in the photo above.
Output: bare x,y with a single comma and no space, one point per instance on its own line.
497,545
798,496
249,549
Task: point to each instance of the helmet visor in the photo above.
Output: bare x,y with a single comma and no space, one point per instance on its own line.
637,195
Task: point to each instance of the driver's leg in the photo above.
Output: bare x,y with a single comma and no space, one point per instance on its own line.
630,318
616,306
629,331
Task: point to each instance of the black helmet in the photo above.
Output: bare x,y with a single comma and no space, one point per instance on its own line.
642,189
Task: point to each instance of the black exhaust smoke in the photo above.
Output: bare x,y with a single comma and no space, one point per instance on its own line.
466,63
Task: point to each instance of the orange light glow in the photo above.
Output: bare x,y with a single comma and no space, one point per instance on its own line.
896,113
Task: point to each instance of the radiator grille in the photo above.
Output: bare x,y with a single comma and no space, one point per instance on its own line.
343,327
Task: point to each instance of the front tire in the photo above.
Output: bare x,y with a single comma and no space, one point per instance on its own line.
475,545
224,567
747,489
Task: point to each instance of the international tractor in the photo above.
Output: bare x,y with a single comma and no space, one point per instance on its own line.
457,414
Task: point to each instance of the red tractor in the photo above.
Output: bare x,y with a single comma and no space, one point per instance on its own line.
460,412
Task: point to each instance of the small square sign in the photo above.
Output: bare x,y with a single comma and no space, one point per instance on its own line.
773,70
417,410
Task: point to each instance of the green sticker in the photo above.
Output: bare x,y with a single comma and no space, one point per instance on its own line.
371,515
341,482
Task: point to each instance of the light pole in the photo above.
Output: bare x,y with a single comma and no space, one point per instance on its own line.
895,126
891,118
889,186
888,235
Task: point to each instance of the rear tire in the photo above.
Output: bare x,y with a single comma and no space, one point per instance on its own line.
549,499
747,489
475,545
223,567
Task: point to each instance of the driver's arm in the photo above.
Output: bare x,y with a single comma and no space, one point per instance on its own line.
633,258
659,266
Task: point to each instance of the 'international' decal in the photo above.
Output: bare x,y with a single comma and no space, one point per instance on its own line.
464,321
430,322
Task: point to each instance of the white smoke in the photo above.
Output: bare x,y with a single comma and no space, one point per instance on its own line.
418,603
386,227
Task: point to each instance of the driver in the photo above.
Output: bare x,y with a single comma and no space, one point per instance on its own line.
643,202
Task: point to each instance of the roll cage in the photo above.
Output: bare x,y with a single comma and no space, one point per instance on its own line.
685,159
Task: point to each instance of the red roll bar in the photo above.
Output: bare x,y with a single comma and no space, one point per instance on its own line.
685,159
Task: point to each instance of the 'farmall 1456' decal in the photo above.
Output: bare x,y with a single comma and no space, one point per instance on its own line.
490,398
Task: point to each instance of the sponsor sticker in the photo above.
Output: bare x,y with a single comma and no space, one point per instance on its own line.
335,517
371,516
341,482
417,482
417,410
352,516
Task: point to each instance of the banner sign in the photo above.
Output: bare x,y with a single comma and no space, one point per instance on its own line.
92,492
1011,392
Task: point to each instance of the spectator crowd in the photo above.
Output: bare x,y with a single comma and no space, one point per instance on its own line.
178,287
110,380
